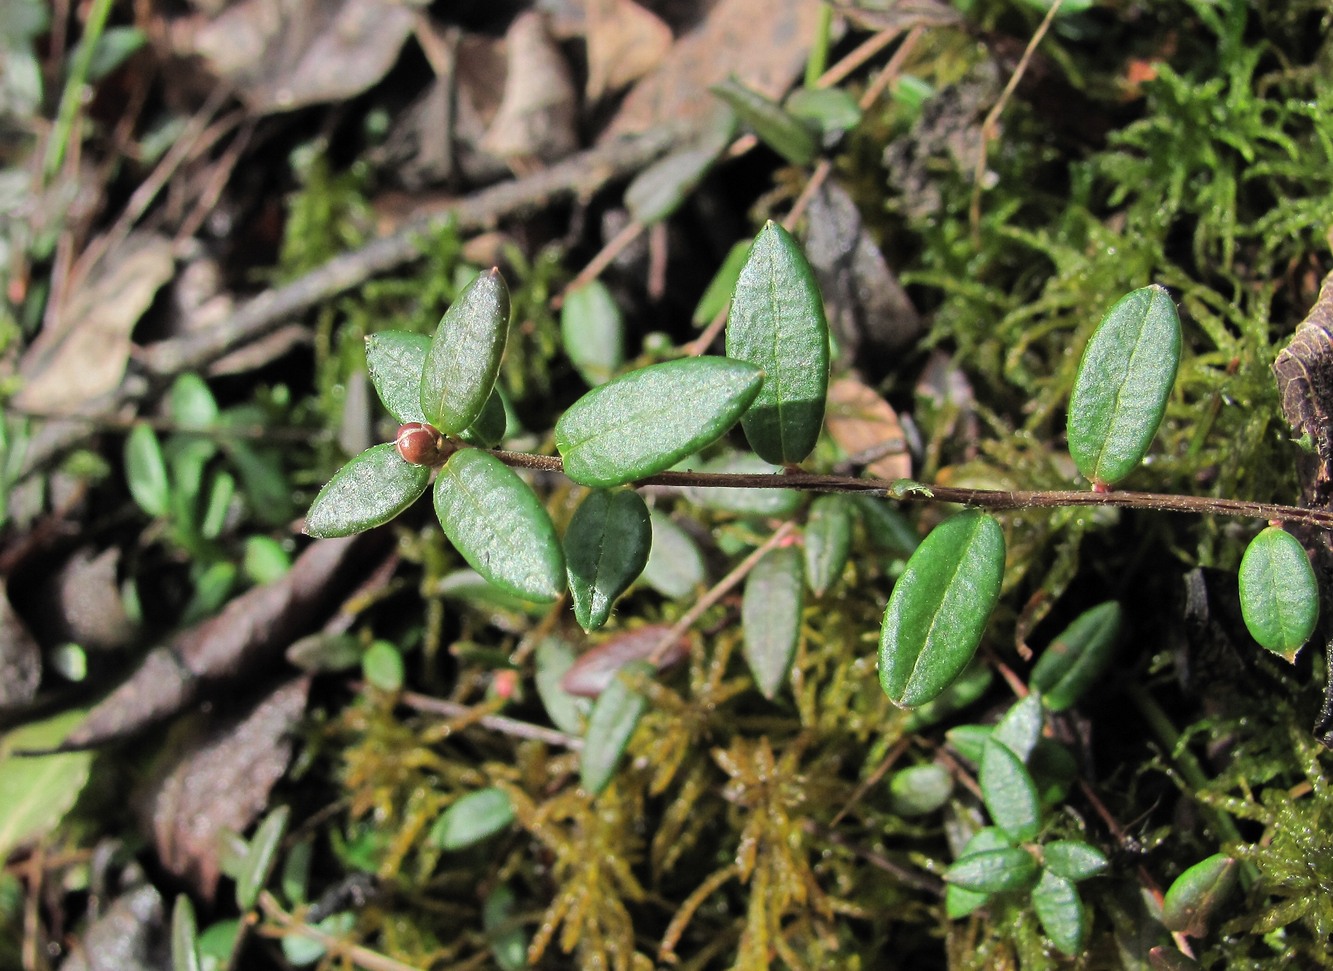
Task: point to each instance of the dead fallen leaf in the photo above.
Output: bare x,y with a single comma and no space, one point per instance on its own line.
250,633
763,43
84,605
866,427
130,936
20,659
537,114
1304,373
218,780
83,355
592,672
868,308
625,42
284,54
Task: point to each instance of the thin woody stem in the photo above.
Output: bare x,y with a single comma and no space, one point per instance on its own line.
907,490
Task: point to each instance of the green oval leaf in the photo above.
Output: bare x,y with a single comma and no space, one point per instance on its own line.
828,541
776,128
1073,859
744,502
615,715
1122,384
1020,727
939,608
184,936
828,110
1195,895
1060,910
396,359
920,790
606,548
497,523
592,330
647,420
39,790
567,711
146,471
1279,596
504,929
717,295
771,617
777,324
190,403
1078,656
465,353
473,818
994,871
260,857
382,666
657,191
675,566
1008,791
366,492
959,901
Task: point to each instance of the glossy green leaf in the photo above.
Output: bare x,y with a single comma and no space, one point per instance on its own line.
777,324
260,858
771,617
606,548
1009,793
776,128
717,295
920,790
38,790
828,541
146,471
488,430
744,502
675,567
615,715
499,526
1073,859
382,666
592,330
1020,727
1078,656
367,492
939,608
827,110
994,871
646,421
184,936
473,818
1279,596
464,356
1195,896
1060,910
958,900
395,360
1122,385
567,712
658,191
504,929
969,741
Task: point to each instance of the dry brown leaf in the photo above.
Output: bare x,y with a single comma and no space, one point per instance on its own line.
220,781
764,43
537,114
82,357
625,42
591,674
282,54
866,427
1304,372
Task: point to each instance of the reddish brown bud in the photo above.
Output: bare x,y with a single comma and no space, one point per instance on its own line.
421,444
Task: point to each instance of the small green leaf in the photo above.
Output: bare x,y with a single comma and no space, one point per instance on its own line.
1060,910
395,359
939,608
744,502
776,128
260,857
184,936
1053,769
1122,385
1194,897
1009,793
301,950
39,790
465,353
1279,596
488,430
615,715
504,929
657,191
969,741
994,871
1078,656
606,548
593,332
828,541
367,492
382,666
920,790
827,110
567,712
959,901
473,818
717,295
675,566
1073,859
777,324
1020,727
146,471
190,403
647,420
771,617
497,523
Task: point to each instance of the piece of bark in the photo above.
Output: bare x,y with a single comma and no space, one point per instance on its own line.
1304,373
20,659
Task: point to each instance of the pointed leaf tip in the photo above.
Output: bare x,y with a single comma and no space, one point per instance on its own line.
606,548
368,491
464,356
